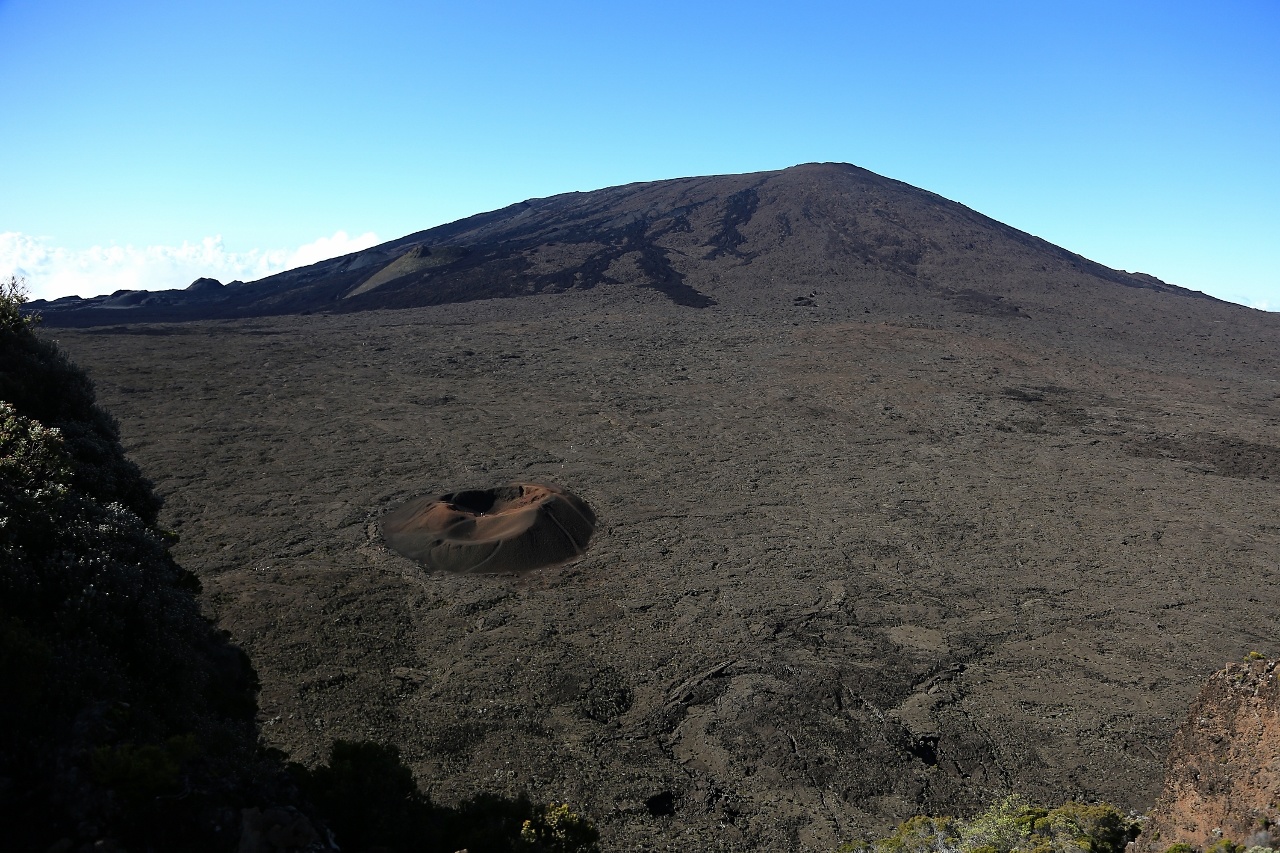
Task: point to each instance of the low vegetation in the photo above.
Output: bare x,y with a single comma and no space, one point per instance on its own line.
126,715
1222,845
1013,825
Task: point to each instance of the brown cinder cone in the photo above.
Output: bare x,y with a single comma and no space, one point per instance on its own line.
511,528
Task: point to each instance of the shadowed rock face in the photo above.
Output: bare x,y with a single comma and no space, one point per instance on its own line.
508,529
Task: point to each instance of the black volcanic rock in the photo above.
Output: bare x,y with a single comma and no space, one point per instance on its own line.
835,228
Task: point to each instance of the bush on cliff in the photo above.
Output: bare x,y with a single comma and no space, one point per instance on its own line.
126,715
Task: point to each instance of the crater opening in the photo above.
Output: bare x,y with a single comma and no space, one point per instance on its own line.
478,502
662,804
512,528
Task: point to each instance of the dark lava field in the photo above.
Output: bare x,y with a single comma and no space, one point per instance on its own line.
898,509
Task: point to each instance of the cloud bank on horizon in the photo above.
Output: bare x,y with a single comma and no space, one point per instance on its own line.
52,272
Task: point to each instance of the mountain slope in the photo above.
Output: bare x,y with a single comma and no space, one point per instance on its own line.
755,241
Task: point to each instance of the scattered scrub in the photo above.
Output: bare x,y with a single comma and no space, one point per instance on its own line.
1013,825
138,773
1222,845
13,295
556,829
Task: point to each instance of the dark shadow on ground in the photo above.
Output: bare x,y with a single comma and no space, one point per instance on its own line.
373,804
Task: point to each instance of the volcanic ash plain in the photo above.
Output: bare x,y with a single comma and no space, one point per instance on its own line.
846,567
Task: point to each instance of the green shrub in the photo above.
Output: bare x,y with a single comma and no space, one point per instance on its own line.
13,295
1096,828
919,834
1013,825
24,661
123,710
1008,825
369,797
35,478
556,829
142,772
1224,845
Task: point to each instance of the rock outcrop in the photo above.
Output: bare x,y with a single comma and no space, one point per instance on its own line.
1222,779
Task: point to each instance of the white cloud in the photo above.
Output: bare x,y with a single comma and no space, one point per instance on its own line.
52,271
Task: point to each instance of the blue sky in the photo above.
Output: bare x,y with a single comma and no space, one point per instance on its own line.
146,143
